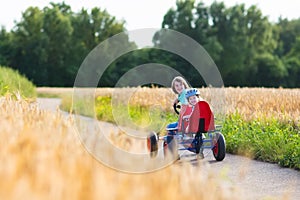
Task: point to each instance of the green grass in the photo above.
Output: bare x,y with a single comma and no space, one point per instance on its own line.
81,106
48,95
265,139
136,117
12,82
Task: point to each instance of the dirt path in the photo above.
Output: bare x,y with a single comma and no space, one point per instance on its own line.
257,180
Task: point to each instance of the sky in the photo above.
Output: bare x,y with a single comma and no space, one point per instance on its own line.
140,14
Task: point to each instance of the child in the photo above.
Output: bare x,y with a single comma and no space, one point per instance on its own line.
179,86
201,119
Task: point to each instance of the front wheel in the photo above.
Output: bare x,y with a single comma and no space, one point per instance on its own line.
219,149
152,144
170,146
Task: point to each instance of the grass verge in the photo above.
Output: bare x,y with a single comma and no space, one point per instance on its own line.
12,82
266,139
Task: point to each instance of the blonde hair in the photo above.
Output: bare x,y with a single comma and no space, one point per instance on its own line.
180,80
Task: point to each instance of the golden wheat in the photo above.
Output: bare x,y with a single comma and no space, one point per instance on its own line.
42,158
281,103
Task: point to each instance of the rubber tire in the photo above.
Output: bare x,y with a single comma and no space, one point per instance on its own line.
170,146
220,152
152,144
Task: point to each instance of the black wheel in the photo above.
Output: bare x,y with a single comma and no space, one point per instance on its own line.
170,146
219,149
152,144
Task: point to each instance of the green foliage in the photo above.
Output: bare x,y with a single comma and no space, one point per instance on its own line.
5,47
288,33
270,70
263,139
12,82
292,63
29,45
235,38
104,109
48,45
58,30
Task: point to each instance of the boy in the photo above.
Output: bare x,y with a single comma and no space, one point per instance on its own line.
201,119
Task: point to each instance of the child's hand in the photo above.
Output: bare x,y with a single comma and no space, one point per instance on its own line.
176,101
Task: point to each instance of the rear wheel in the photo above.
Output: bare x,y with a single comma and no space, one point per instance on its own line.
152,144
219,149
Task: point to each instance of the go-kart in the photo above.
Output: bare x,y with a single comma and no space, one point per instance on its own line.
201,134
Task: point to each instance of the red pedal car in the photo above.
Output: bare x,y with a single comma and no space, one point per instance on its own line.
201,134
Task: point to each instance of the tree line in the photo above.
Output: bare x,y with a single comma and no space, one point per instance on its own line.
48,45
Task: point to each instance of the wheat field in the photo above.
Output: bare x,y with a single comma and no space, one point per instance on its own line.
42,158
279,103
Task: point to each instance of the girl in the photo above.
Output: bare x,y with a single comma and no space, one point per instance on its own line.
179,86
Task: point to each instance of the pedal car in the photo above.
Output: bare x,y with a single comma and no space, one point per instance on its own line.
179,138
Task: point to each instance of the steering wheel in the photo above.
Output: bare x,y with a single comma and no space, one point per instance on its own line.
176,108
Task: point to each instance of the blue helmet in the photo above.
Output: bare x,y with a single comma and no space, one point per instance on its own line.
191,92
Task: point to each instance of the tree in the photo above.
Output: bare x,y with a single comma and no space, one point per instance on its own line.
29,45
49,45
263,41
231,24
292,62
90,29
192,21
270,71
58,30
249,41
5,47
288,49
288,33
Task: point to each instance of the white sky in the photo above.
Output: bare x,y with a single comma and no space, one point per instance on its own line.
143,13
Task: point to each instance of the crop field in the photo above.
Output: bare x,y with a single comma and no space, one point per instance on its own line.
42,158
261,123
251,103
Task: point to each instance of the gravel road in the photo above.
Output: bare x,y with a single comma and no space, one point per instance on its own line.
257,180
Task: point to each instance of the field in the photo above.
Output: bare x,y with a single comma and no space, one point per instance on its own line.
261,123
42,158
251,103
